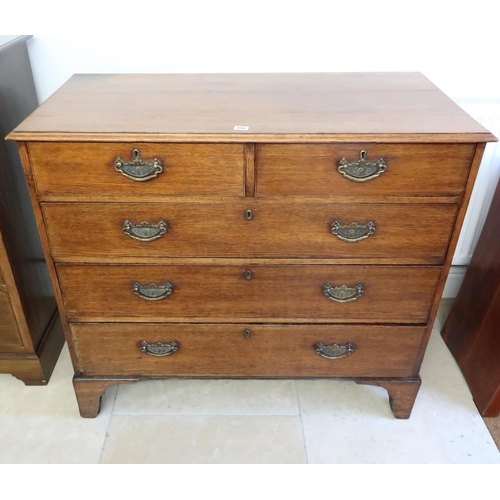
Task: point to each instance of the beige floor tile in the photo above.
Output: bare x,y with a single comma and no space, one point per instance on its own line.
346,423
42,424
204,439
208,397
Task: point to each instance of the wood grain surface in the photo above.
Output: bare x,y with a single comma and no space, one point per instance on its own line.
471,331
27,303
89,232
36,369
10,338
223,294
412,169
378,106
223,351
476,162
188,169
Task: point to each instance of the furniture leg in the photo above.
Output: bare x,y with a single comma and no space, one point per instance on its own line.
89,393
402,393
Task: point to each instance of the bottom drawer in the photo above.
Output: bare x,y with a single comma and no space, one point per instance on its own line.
209,350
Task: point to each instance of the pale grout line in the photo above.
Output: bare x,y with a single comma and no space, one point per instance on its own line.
109,423
301,422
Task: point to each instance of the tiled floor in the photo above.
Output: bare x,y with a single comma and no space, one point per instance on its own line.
203,421
493,424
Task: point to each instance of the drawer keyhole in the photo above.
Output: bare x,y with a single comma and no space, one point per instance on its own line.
248,275
248,215
247,334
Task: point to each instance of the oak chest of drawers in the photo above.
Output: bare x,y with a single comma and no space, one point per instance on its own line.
249,225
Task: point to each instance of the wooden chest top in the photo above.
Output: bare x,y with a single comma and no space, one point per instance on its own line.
350,107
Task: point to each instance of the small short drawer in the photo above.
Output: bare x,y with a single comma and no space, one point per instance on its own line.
260,293
107,169
388,169
379,233
209,350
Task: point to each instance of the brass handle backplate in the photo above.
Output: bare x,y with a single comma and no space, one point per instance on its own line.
137,169
334,351
152,291
145,231
159,349
343,293
352,232
362,170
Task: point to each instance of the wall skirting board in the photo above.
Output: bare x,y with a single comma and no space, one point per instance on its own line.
487,112
454,281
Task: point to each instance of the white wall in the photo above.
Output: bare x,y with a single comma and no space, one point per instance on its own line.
455,43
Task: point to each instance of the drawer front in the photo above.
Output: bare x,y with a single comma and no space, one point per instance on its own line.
224,350
89,169
10,338
410,170
243,293
82,232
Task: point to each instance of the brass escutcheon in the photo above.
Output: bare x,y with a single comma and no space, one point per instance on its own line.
362,170
334,351
159,349
342,293
137,169
352,232
144,231
152,291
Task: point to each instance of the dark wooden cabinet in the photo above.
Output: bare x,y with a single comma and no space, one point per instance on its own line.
472,330
31,335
